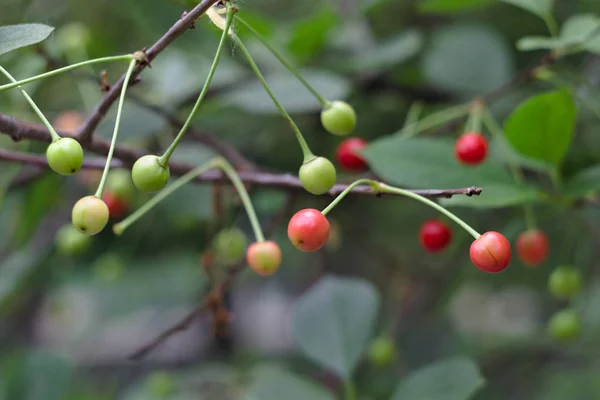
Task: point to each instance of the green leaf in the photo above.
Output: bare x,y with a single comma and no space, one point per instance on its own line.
583,182
540,8
392,52
450,6
452,379
580,30
270,382
294,97
309,35
468,59
542,126
48,377
333,321
13,37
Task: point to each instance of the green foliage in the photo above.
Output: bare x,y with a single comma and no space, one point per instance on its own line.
271,382
13,37
579,33
541,8
451,6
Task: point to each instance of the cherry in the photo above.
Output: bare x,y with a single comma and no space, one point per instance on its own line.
435,235
382,351
348,157
491,252
70,241
308,230
120,184
565,282
148,175
317,175
230,245
90,215
264,258
564,325
65,156
338,118
161,385
471,148
532,247
117,206
69,121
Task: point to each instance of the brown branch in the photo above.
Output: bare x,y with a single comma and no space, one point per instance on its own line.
88,128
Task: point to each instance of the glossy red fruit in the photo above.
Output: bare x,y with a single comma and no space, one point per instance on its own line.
491,252
264,258
435,235
532,247
117,206
347,155
308,230
471,148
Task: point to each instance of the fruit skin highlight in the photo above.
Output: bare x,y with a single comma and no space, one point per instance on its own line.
338,118
264,258
347,155
532,247
308,230
435,235
90,215
471,148
491,252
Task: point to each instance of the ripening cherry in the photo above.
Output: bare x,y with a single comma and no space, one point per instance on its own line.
471,148
435,235
69,121
308,230
264,258
348,157
90,215
491,252
117,206
338,118
532,247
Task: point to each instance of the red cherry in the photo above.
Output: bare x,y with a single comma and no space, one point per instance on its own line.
471,148
491,252
264,258
117,208
308,230
532,247
347,155
435,235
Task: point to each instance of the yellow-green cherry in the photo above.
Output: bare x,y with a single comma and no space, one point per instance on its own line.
317,175
65,156
149,175
90,215
338,118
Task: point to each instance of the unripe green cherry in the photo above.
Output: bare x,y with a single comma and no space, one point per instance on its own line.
119,183
317,175
148,175
382,351
338,118
564,325
565,282
65,156
70,241
230,245
90,215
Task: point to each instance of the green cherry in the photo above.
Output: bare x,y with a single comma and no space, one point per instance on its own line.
148,175
230,245
119,183
338,118
317,175
69,241
382,351
565,282
90,215
564,325
65,156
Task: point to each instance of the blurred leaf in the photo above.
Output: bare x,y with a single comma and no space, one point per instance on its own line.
542,126
9,172
252,97
309,35
394,51
13,37
451,6
47,377
467,59
452,379
270,382
578,383
538,7
333,321
581,30
583,182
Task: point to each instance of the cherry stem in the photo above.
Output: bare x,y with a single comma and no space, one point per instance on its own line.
475,115
164,159
126,57
119,228
283,61
36,109
434,120
412,118
307,153
374,185
132,64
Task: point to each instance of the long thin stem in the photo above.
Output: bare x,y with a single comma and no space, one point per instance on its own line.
374,185
283,61
243,193
434,120
36,109
163,194
308,155
412,117
116,130
475,116
164,159
65,69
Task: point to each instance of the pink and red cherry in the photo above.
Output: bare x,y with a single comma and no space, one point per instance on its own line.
348,157
532,247
471,148
308,230
435,235
491,252
117,206
264,257
90,215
